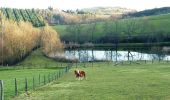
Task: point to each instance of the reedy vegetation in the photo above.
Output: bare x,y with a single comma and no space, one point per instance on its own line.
20,38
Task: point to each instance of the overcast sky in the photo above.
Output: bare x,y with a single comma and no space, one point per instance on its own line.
74,4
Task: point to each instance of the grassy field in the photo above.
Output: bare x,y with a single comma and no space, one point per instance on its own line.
107,82
149,25
34,65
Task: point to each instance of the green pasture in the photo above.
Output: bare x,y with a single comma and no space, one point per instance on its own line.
35,65
105,81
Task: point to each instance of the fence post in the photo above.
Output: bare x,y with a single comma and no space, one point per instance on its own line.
152,61
66,69
49,77
39,78
33,83
16,87
1,90
55,76
26,85
52,77
59,74
44,79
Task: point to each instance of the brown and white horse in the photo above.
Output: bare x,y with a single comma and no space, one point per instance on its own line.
80,74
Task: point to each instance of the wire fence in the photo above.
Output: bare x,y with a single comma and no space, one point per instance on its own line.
115,63
24,85
1,90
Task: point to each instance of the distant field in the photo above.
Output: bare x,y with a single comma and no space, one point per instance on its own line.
108,82
151,25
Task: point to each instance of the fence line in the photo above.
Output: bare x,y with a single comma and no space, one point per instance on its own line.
43,79
16,87
31,84
1,90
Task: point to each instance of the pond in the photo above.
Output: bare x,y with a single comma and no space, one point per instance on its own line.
112,55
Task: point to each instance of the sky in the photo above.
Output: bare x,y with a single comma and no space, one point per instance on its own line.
79,4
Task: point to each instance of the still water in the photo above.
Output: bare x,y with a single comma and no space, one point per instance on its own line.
108,55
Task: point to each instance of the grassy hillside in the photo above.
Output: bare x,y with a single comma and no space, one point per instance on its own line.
107,82
34,65
142,27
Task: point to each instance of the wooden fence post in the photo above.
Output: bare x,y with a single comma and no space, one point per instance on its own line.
44,79
66,69
55,76
33,83
16,87
1,90
26,85
49,77
39,80
59,74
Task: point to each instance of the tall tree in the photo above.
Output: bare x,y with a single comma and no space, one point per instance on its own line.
130,29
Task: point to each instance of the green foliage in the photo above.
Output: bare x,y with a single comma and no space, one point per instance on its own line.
140,29
23,15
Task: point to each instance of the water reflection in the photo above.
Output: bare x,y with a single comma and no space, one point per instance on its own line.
108,55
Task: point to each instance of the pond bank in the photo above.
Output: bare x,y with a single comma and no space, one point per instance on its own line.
113,46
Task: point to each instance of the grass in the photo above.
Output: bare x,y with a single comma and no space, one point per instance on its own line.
38,60
34,65
107,82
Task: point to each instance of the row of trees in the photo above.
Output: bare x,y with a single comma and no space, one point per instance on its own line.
19,39
114,31
23,15
150,12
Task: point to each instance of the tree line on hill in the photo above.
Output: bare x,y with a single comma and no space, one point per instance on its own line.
29,15
115,31
149,12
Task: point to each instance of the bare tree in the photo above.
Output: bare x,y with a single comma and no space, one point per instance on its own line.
131,27
78,28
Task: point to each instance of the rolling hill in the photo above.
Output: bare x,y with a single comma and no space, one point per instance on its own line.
149,12
141,29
